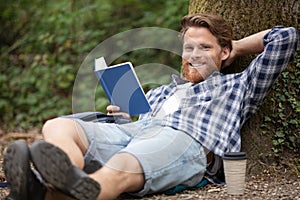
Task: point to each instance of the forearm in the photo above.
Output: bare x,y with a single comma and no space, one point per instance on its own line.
252,44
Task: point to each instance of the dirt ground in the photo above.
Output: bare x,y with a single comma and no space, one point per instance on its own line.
272,182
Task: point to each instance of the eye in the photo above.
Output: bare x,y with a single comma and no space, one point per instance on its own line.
204,47
188,48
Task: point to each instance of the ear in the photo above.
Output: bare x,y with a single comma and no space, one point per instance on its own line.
225,53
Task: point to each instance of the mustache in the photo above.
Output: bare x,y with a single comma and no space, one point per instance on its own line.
203,71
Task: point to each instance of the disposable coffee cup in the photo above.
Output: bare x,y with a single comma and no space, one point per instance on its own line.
235,171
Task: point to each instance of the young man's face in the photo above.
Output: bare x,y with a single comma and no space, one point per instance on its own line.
202,55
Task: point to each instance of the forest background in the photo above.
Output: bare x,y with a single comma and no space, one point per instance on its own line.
43,44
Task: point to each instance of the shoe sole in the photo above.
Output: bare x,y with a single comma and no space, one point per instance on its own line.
17,169
56,169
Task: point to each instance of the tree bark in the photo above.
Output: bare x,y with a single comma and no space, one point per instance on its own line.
248,17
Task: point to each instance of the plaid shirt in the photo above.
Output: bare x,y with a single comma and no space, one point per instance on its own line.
213,111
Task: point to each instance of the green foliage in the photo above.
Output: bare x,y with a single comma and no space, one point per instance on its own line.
283,121
43,44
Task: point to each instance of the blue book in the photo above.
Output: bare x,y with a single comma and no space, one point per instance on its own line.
122,87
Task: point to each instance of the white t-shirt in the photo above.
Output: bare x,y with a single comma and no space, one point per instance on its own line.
172,103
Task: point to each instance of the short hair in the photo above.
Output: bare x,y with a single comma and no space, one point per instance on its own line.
214,23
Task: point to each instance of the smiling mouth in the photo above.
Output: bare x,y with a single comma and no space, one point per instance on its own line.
196,65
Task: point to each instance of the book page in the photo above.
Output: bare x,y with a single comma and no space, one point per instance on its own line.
100,63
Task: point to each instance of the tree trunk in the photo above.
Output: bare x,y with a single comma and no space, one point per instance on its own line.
248,17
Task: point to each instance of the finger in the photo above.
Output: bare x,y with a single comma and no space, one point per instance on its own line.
112,108
125,115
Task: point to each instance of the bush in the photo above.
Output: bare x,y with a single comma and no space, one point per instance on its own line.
44,44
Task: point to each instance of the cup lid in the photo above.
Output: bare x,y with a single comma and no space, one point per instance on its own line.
234,156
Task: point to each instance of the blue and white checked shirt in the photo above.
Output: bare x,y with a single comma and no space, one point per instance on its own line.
214,110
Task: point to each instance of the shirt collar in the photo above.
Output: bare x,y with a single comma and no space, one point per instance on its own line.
177,80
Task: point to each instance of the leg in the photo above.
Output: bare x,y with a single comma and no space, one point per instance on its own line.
59,173
168,158
69,136
122,173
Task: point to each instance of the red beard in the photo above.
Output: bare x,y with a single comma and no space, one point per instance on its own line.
191,74
199,73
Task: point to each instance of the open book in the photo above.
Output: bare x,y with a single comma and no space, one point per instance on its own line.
122,87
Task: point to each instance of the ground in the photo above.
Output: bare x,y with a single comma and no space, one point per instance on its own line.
271,182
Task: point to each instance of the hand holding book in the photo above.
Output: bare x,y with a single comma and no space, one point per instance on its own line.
115,110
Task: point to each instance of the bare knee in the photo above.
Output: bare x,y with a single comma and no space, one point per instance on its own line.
56,126
62,128
68,136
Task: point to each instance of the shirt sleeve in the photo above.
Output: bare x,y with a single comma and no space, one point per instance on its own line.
280,45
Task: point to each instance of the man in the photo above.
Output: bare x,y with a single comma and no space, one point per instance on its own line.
198,114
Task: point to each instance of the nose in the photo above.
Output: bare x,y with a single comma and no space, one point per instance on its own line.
196,54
